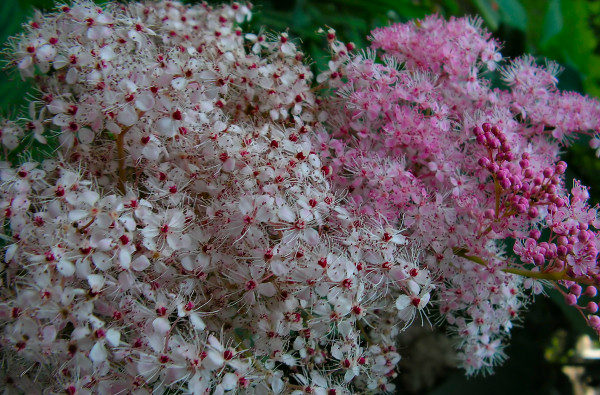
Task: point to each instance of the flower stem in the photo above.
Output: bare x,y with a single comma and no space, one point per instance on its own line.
551,276
121,160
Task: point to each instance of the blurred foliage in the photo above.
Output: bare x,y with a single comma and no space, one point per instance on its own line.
563,30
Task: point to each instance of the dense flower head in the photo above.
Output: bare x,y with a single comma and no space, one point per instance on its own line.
209,222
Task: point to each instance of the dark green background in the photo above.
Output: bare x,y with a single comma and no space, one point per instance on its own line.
563,30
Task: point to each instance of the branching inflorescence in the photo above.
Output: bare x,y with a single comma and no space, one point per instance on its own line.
211,222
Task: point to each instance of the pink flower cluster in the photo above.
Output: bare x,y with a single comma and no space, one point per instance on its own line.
211,222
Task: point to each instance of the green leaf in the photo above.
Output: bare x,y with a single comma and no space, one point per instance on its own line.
553,21
513,13
37,4
13,91
11,17
489,12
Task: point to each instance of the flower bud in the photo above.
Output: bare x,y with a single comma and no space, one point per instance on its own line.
591,292
483,162
533,213
570,300
560,167
535,234
594,322
561,251
575,289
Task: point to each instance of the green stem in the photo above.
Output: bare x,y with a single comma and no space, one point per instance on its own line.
551,276
498,190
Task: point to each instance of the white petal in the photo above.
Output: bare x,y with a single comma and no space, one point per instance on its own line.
345,328
229,381
197,322
96,281
311,236
277,385
86,136
46,53
49,334
213,360
10,252
98,353
177,219
267,289
113,127
219,126
179,83
140,263
145,102
25,62
101,260
413,287
288,359
161,325
279,268
66,268
124,259
107,53
113,337
127,116
229,165
403,302
214,343
286,214
424,300
165,127
72,75
90,197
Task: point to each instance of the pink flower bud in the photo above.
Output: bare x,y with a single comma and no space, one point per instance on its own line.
583,236
570,300
533,213
561,251
592,307
560,167
591,292
535,234
483,162
575,289
594,322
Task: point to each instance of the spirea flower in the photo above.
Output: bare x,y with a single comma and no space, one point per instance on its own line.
209,223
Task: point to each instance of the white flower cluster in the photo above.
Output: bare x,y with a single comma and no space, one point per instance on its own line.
185,236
